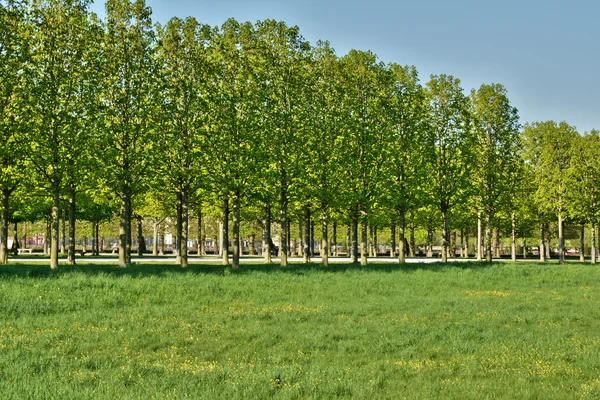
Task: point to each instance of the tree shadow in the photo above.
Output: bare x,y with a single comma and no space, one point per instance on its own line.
140,270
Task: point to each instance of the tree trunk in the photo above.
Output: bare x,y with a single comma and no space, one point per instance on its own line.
155,239
48,234
363,241
412,246
392,238
125,228
325,239
283,246
185,221
306,247
55,211
444,235
4,226
488,237
401,250
466,252
252,240
72,210
312,238
429,241
140,238
236,230
524,247
593,249
93,238
97,238
178,229
63,238
354,239
335,247
542,257
375,243
548,247
561,240
513,248
581,243
267,234
300,250
370,241
479,244
225,222
349,240
161,251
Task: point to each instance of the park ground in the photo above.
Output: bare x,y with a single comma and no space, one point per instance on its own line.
419,331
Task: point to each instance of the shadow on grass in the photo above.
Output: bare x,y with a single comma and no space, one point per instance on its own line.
23,270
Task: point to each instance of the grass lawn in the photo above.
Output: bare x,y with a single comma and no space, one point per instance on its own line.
467,331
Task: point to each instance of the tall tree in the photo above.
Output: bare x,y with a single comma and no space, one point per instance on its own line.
182,56
450,155
128,97
13,60
496,127
549,147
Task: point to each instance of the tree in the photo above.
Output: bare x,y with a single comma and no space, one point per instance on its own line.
450,155
182,55
496,126
13,60
549,148
62,63
128,96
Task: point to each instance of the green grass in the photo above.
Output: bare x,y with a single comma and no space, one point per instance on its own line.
465,331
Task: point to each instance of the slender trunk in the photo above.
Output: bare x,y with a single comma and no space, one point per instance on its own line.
48,233
161,251
412,243
488,236
542,257
15,245
93,238
462,242
466,252
429,241
375,244
155,240
123,228
513,249
55,211
363,241
548,248
185,220
289,237
497,242
4,226
178,229
267,234
335,247
283,246
220,244
72,203
236,230
97,238
524,247
325,239
225,222
199,234
252,240
479,255
444,236
63,238
312,238
593,249
306,247
300,250
581,243
401,250
561,240
140,238
354,239
370,241
349,240
392,238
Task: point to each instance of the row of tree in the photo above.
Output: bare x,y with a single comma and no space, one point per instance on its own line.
153,118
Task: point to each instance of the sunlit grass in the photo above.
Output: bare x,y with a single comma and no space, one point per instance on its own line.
420,331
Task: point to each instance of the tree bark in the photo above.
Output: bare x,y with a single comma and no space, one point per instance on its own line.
125,228
524,247
561,240
401,250
185,221
283,246
63,236
429,241
363,240
161,251
236,230
513,248
252,240
155,239
444,236
412,243
225,241
354,239
335,247
479,244
466,252
178,229
267,234
306,247
140,238
325,239
370,241
72,204
4,226
593,247
392,238
542,256
55,211
488,237
581,243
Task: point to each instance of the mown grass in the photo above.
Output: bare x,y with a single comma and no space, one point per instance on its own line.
468,331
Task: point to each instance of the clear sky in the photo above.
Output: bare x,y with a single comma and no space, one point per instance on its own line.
545,52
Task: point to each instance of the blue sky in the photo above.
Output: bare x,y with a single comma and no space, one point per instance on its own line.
546,53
